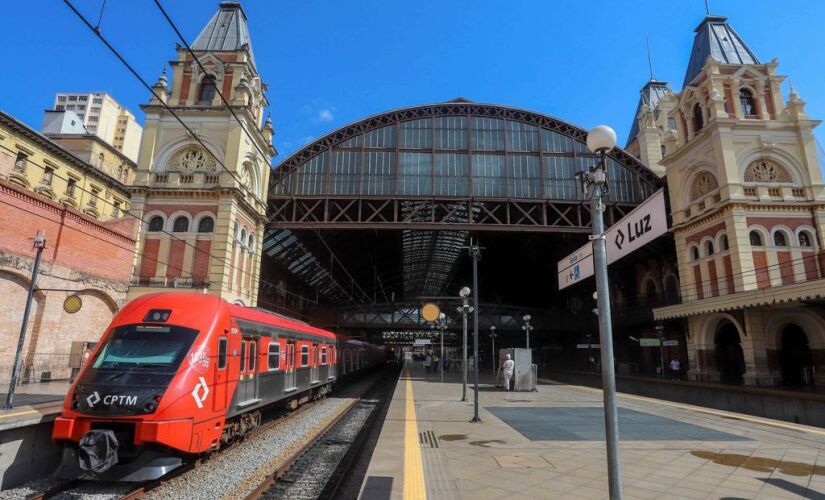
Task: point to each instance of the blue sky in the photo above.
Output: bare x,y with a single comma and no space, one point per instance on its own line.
328,63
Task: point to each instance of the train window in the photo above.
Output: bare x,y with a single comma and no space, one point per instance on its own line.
304,355
323,355
243,356
223,343
252,355
274,356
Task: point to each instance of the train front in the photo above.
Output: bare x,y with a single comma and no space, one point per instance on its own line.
139,405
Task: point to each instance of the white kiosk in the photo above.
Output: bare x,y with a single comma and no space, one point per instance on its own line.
525,372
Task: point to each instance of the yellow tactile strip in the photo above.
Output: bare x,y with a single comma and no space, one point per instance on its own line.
413,467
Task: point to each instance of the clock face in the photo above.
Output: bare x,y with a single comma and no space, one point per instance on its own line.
72,304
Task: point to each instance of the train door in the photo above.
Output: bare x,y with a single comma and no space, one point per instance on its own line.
247,381
289,366
313,372
221,369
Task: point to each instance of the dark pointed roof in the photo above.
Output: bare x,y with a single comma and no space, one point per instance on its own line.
650,95
716,38
227,31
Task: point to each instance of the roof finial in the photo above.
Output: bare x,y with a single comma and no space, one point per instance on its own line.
649,58
707,7
793,96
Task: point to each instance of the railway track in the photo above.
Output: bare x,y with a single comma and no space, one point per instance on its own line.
320,468
78,488
307,426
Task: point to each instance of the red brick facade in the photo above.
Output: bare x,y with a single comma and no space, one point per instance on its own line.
82,257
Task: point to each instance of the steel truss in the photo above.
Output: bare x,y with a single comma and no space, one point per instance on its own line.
406,315
437,214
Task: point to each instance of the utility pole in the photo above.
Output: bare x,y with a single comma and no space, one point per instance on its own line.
465,309
475,253
495,356
39,245
600,140
442,320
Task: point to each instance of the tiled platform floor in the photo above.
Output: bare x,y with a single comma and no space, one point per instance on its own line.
706,454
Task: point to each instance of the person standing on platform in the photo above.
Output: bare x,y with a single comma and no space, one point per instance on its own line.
427,362
507,371
675,368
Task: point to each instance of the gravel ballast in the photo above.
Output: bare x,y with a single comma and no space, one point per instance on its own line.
237,471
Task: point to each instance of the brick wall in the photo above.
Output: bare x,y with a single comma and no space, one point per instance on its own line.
73,240
83,257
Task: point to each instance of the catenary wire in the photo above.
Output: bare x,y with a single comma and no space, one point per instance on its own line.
169,109
249,135
163,231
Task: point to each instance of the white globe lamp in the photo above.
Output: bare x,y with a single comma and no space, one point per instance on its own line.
601,138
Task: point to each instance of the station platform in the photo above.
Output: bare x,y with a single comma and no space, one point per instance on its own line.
550,444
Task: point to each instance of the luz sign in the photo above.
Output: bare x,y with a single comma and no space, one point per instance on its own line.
644,224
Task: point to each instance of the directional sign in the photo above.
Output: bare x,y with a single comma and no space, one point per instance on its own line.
642,225
583,268
420,342
670,343
649,342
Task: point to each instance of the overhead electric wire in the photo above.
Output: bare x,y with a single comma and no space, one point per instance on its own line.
134,72
162,231
249,135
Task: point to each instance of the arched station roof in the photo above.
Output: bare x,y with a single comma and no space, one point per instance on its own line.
436,172
465,150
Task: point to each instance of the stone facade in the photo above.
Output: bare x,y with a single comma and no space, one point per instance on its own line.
747,199
204,201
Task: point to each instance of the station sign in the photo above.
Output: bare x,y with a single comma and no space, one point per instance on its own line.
649,342
642,225
587,346
422,342
670,343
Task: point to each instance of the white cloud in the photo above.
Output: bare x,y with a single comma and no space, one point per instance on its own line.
325,115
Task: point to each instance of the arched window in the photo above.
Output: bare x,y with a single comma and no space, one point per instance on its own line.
206,225
181,225
805,239
709,248
671,288
779,239
207,90
698,120
756,239
746,100
694,253
725,244
155,224
251,243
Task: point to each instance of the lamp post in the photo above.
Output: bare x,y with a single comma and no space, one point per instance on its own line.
475,253
39,245
465,309
600,140
493,339
660,332
442,321
526,327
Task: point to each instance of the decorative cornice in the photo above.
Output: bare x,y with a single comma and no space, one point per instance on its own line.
57,150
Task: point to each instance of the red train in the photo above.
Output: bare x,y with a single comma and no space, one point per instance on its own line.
179,374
